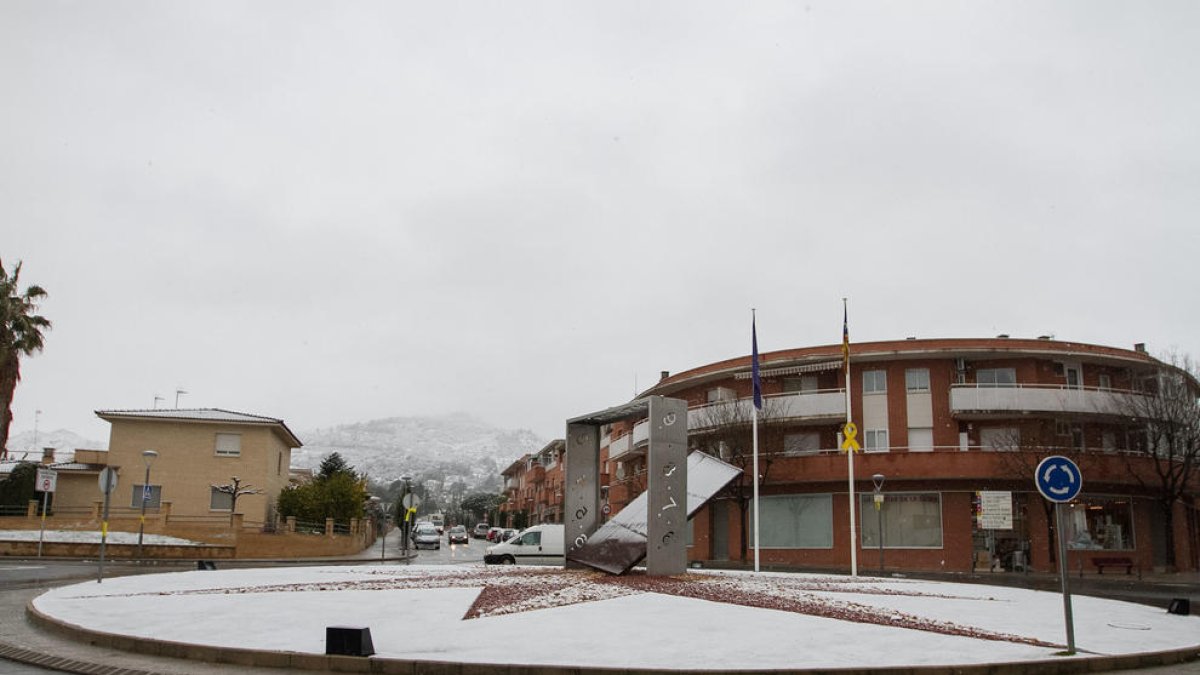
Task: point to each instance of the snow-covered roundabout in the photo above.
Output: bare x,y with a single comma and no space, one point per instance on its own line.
701,621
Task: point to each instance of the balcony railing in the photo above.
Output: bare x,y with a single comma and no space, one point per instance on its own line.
970,398
810,406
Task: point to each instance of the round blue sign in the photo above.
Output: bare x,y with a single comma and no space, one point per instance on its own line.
1058,479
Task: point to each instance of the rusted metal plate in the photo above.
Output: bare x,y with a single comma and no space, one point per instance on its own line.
621,543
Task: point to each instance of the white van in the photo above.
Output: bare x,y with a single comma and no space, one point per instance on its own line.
538,545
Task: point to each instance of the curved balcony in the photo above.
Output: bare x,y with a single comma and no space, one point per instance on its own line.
828,405
968,400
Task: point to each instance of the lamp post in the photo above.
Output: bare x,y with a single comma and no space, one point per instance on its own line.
148,457
877,479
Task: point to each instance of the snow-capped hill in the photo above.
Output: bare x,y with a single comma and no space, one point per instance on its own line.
448,448
64,442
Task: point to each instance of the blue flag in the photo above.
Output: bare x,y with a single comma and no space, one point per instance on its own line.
757,383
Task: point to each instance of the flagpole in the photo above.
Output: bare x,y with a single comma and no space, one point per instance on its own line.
756,542
849,451
757,391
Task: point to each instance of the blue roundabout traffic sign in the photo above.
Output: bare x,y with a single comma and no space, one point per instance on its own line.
1058,479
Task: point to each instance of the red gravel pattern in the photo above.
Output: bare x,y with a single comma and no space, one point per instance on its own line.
510,591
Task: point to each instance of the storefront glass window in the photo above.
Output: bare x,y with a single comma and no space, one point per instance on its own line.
910,520
1099,523
795,521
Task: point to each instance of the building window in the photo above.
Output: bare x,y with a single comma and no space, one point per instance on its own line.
910,520
229,445
803,443
996,377
795,521
920,439
219,501
155,500
874,381
1100,523
803,384
916,379
1105,381
721,394
875,440
1000,438
279,464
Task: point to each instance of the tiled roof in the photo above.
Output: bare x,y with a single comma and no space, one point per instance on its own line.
77,466
200,415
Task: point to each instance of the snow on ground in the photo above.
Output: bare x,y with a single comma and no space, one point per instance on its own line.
93,537
577,618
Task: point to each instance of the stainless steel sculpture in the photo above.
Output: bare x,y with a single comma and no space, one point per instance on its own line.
653,525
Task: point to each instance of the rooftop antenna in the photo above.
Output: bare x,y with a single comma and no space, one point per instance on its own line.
178,391
158,398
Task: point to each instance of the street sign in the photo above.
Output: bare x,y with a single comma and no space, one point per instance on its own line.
147,492
108,480
411,501
995,510
1058,479
47,480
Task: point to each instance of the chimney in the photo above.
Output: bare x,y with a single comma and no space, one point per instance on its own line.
664,375
47,456
1139,347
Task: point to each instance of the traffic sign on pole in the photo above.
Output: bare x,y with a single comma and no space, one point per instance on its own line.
47,480
1058,479
108,480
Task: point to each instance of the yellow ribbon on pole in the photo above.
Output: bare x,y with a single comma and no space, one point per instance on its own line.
850,432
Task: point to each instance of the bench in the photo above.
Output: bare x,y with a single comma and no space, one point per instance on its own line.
1121,561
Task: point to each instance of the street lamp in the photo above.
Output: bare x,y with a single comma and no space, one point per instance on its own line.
877,479
148,457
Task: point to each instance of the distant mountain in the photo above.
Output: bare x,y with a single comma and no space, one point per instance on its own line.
447,449
64,442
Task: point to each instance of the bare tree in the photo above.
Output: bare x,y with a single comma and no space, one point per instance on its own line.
1019,457
724,429
1166,415
235,489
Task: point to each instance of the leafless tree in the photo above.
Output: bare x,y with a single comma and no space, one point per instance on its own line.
1019,457
724,429
235,489
1166,418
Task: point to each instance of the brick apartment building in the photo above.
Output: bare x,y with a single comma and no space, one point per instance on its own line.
941,421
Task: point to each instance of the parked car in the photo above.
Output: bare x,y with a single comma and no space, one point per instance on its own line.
458,535
494,533
425,534
509,534
481,531
540,544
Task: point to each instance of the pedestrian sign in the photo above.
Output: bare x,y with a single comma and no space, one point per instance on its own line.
850,431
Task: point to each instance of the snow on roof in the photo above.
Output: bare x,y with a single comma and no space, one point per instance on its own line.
200,415
77,466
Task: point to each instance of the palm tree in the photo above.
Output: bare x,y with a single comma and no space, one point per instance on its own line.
20,335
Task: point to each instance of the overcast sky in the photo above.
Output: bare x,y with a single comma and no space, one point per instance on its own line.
334,212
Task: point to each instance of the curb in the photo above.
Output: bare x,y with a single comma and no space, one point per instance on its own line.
392,666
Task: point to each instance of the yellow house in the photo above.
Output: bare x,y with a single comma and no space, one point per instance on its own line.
193,450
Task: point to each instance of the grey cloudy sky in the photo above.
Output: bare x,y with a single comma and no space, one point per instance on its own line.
335,212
